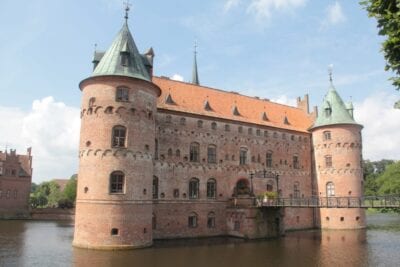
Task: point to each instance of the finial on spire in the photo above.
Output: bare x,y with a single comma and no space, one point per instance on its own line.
195,75
330,69
127,5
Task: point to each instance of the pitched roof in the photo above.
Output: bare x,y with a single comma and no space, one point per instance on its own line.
190,98
110,63
333,110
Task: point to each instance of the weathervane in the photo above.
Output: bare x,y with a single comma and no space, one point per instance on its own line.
127,5
330,69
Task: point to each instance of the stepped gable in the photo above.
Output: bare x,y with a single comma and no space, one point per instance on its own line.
189,98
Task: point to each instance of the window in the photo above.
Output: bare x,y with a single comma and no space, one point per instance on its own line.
194,152
211,188
296,162
176,193
117,182
192,220
155,149
227,128
214,126
330,189
200,124
243,156
328,161
155,187
194,188
118,136
211,220
240,129
268,160
122,94
212,154
296,190
327,135
250,131
182,121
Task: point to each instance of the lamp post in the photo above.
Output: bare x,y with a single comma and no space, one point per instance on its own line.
251,184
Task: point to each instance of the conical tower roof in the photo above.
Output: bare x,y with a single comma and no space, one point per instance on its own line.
112,62
333,110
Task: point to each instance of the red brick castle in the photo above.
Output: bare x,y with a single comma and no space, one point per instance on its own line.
162,159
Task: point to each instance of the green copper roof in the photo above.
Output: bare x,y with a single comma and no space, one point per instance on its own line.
113,64
333,110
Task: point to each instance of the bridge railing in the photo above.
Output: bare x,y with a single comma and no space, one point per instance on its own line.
332,202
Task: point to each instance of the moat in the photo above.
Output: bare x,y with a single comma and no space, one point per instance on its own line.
41,243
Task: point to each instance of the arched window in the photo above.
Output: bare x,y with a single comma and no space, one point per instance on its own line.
118,136
155,187
296,190
194,152
192,220
211,188
243,156
194,188
212,154
328,161
214,126
330,189
295,162
268,159
211,220
117,182
122,94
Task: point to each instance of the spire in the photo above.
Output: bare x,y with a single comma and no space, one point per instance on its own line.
333,110
195,75
123,58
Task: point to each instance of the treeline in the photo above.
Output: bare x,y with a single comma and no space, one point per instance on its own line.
381,177
49,194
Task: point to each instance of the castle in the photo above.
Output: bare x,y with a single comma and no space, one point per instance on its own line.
15,184
163,159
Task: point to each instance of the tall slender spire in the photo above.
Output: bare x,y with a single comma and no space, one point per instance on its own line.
127,5
195,74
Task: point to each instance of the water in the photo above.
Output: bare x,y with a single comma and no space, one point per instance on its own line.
38,243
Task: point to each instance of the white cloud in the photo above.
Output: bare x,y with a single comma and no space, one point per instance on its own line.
177,77
52,130
381,133
263,9
334,15
229,4
285,100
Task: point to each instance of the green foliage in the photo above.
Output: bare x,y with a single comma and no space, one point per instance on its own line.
48,194
389,181
387,14
69,192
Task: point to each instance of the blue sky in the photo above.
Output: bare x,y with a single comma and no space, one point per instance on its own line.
279,49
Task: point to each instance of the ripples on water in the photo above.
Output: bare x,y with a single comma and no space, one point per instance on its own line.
33,243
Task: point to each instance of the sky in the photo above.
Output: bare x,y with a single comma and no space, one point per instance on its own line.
276,49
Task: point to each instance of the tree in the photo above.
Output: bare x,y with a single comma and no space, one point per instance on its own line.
386,12
389,181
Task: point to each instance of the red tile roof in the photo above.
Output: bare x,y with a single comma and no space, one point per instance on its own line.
191,98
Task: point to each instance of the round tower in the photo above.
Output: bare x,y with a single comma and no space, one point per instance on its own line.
114,201
337,155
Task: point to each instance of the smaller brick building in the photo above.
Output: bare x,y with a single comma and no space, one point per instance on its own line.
15,184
